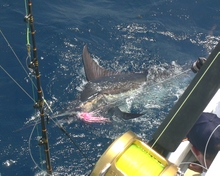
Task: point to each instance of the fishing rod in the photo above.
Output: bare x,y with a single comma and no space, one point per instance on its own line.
39,104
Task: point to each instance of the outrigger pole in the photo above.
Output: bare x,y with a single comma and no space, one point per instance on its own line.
40,102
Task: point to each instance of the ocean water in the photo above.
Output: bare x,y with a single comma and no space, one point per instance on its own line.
122,36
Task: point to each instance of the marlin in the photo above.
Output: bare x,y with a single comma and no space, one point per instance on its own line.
114,93
106,89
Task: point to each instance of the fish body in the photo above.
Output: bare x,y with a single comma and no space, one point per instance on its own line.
105,89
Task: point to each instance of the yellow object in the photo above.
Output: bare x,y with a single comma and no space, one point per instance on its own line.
136,161
128,156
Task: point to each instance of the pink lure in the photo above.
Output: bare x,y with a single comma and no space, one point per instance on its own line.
88,117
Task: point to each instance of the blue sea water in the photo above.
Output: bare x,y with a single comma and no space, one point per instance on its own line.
122,36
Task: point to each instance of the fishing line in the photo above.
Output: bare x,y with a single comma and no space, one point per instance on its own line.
30,152
184,163
66,133
71,139
148,87
15,54
28,34
33,85
206,146
17,58
17,84
19,63
24,89
186,99
168,79
24,71
64,114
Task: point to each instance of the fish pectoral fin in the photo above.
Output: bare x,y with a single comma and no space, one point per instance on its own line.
124,115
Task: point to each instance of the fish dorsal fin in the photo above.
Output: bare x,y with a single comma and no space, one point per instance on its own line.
92,69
